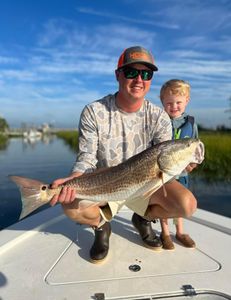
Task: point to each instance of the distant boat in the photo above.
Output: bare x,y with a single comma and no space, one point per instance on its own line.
32,133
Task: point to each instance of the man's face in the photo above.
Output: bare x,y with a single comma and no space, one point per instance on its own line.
133,88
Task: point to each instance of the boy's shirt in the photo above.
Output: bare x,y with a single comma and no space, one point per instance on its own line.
177,124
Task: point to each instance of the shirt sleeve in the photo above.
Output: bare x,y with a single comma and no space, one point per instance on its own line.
163,128
86,159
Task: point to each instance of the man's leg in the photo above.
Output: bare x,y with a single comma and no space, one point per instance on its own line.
91,216
148,236
179,202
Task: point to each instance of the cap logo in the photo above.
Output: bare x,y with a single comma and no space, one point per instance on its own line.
139,55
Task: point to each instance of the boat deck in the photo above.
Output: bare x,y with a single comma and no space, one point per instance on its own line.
46,256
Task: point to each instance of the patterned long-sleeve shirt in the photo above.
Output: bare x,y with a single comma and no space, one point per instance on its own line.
109,136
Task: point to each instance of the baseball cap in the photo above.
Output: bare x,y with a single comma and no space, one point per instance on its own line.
137,55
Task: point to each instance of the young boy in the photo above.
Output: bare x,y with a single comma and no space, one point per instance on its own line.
174,95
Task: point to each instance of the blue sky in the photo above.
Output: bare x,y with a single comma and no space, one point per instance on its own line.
58,55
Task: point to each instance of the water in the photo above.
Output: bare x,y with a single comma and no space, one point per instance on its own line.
45,160
51,158
214,197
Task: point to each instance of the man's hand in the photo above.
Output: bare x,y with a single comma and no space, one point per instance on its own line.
190,167
67,194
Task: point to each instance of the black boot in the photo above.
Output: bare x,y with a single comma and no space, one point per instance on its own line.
146,232
100,247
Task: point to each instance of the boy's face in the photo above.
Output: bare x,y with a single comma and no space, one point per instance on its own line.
175,105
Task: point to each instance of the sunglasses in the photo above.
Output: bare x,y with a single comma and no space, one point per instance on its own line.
131,73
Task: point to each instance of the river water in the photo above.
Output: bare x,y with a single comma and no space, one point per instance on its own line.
50,158
44,159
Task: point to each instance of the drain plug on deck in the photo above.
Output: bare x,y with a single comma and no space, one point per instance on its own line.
99,296
134,268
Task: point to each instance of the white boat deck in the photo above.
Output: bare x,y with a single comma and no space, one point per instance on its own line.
46,256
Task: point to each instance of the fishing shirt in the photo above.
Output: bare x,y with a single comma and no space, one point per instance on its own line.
109,136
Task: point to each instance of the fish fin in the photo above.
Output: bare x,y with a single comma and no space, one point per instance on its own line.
30,194
164,178
83,204
149,193
136,203
163,186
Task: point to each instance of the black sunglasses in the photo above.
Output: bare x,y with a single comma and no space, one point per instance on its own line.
131,73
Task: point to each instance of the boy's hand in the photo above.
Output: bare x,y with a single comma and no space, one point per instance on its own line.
190,167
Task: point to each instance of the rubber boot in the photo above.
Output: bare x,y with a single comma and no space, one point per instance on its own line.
148,236
100,247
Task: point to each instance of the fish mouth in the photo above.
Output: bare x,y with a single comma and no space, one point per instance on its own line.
199,153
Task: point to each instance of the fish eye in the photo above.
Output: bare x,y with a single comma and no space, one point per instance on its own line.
44,188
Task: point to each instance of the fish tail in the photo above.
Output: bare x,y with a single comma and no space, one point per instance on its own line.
30,194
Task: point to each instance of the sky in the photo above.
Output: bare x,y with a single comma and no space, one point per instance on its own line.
56,56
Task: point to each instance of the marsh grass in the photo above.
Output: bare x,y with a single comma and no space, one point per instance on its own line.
216,166
70,138
4,140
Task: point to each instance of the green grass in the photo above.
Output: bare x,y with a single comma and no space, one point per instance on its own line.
70,138
216,165
3,141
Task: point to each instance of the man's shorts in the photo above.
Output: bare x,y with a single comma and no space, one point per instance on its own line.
138,205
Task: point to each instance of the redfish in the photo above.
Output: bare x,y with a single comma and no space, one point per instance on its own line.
137,177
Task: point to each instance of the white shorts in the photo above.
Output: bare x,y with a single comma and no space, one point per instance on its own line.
139,206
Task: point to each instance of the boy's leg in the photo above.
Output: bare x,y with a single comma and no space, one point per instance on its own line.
165,235
185,239
179,226
164,226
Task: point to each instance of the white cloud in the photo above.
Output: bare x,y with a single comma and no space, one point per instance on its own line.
20,75
8,60
120,17
206,16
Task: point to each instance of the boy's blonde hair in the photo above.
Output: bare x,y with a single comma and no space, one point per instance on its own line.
175,87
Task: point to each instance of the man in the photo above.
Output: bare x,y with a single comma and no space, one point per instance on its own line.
111,130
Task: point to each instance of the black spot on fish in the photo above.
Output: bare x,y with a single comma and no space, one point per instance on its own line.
44,188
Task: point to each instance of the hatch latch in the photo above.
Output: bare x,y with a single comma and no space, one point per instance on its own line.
188,290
